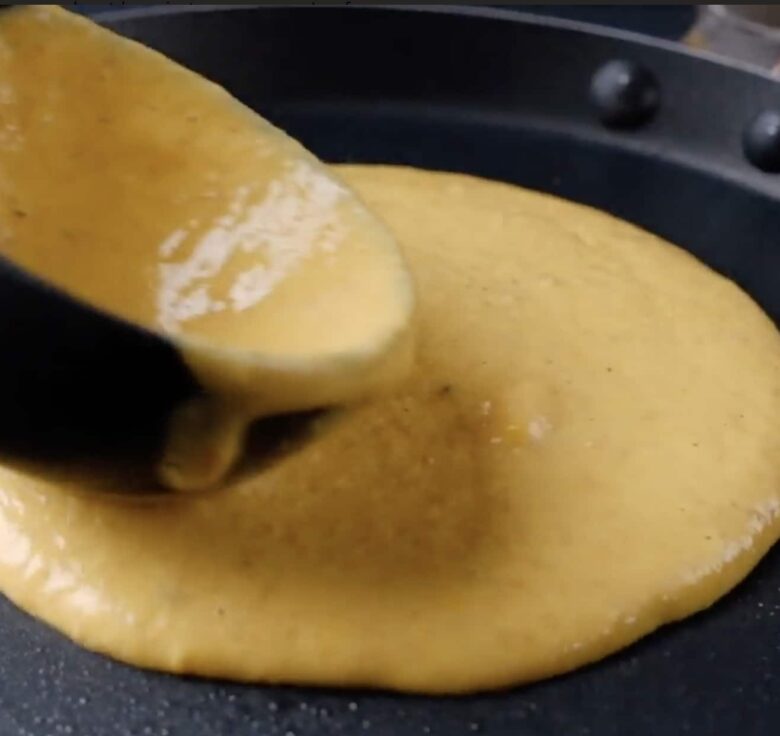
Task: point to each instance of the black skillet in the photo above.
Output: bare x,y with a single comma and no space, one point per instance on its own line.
510,98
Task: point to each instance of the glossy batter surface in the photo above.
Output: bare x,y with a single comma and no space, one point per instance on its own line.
146,190
588,448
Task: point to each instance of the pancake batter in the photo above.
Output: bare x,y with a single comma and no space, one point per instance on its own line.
587,449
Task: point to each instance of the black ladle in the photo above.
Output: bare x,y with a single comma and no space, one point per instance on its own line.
76,380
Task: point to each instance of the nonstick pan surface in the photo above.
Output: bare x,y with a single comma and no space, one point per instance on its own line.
507,97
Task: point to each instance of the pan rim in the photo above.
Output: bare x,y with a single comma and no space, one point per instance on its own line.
484,13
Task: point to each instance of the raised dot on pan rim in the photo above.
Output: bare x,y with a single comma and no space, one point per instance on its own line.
625,94
761,141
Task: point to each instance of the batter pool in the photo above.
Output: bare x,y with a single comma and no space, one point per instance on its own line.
587,449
